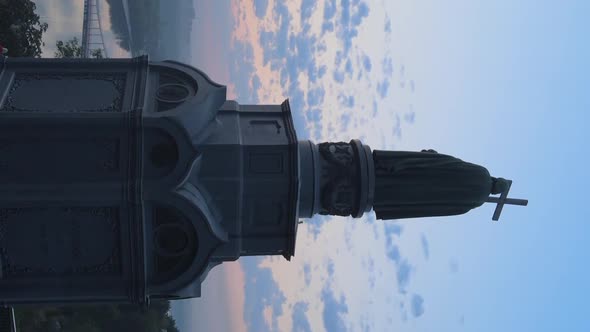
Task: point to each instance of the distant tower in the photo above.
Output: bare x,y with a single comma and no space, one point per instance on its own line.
123,180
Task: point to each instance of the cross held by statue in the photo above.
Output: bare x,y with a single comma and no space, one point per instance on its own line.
503,199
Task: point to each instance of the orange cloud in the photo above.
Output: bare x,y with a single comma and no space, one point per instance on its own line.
235,281
247,29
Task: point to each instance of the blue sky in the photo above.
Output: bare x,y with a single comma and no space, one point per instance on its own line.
500,83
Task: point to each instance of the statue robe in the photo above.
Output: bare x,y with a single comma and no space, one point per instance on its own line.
426,184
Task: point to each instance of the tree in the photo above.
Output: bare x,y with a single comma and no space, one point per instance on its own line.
73,49
69,49
21,31
96,318
97,54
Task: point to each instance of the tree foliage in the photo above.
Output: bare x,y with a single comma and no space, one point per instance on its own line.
69,49
97,318
72,49
97,54
20,28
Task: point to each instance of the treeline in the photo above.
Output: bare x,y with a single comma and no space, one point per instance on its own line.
144,20
118,23
96,318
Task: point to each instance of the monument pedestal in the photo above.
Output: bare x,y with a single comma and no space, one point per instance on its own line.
124,180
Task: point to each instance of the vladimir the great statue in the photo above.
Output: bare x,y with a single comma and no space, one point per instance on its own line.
428,184
125,180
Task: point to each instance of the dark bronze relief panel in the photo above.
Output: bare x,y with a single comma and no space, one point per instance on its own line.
60,242
338,186
66,93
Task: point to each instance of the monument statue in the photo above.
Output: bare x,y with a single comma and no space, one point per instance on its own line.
125,180
428,184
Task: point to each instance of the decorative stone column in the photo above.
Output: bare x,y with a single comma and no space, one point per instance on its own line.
337,178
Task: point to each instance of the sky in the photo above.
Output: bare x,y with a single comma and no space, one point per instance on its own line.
499,83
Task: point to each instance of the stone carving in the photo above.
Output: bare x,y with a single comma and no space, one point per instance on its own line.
338,180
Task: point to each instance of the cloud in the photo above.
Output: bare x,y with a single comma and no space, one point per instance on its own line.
327,27
275,43
397,127
307,273
391,228
303,54
255,84
322,71
242,71
403,272
382,88
425,249
345,15
375,108
300,321
387,64
313,114
314,225
369,266
297,101
307,7
329,9
333,311
417,305
387,27
392,252
260,7
391,249
346,31
315,96
261,292
348,67
361,12
348,237
367,63
345,120
346,101
410,117
310,55
338,76
330,268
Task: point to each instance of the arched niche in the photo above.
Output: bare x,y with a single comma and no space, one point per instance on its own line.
174,243
173,88
181,235
161,153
